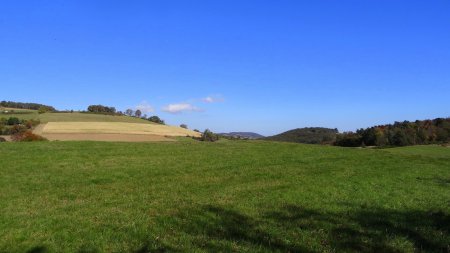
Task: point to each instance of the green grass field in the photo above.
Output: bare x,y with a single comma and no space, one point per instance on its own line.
231,196
72,117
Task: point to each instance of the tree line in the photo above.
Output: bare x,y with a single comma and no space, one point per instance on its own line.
404,133
29,106
109,110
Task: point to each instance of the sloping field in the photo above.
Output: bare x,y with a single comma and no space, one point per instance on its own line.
115,128
107,137
230,196
99,127
73,117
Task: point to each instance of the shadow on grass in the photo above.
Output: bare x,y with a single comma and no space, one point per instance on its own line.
294,228
367,230
219,229
38,249
373,230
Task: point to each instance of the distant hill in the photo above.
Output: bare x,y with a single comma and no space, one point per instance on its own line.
310,135
248,135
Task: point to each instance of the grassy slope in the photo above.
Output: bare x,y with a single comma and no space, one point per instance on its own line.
228,196
74,117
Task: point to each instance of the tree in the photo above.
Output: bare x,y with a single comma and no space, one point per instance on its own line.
138,113
129,112
184,126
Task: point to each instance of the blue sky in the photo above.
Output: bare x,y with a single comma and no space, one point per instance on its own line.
262,66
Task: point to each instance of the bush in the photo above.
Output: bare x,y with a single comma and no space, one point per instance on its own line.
31,123
27,136
209,136
13,121
2,139
184,126
156,119
16,129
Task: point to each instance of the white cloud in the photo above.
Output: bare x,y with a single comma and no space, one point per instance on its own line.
212,99
181,107
144,107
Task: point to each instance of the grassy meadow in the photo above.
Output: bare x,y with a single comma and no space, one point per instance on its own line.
229,196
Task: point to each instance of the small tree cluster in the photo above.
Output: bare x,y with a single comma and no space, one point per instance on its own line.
101,109
156,119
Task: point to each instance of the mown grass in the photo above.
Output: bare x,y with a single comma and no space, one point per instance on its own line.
72,117
231,196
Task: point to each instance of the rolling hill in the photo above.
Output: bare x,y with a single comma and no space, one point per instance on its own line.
249,135
308,135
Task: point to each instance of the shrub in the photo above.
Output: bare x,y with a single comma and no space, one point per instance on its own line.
2,139
184,126
156,119
13,121
16,129
31,123
209,136
27,136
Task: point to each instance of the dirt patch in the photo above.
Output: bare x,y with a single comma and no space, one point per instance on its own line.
6,137
38,129
106,137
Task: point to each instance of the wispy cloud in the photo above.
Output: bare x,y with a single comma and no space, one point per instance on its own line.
213,99
144,107
181,107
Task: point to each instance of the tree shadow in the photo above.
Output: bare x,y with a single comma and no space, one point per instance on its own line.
293,228
373,230
217,229
153,247
366,230
38,249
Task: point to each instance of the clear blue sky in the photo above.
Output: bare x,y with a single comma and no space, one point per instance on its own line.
263,66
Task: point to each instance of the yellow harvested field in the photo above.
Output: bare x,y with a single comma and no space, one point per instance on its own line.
114,128
107,137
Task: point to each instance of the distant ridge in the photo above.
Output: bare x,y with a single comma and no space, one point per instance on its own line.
309,135
249,135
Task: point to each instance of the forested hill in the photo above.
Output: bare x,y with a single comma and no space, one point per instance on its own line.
404,133
30,106
310,135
